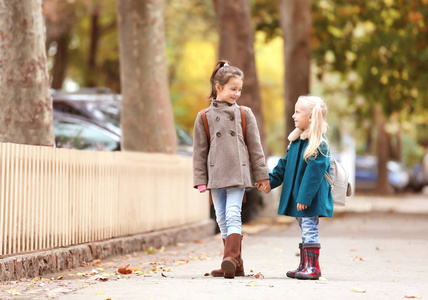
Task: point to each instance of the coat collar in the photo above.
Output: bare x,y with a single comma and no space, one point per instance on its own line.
217,103
298,133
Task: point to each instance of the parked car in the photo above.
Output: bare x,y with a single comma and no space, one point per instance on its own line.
74,132
366,174
101,108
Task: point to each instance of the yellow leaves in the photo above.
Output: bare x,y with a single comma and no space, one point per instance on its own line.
14,292
358,290
252,283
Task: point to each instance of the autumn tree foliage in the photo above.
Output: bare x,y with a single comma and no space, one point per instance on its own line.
146,116
25,100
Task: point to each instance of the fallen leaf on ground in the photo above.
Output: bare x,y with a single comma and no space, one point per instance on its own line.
14,293
355,249
125,270
163,275
259,275
135,269
252,283
406,296
60,277
181,262
359,258
151,250
100,293
323,279
207,274
358,290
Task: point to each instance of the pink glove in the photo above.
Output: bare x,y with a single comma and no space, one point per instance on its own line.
202,188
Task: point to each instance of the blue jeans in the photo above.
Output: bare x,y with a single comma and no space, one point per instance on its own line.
227,206
309,227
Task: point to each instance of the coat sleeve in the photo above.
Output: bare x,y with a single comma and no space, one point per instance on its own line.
314,175
277,175
200,153
255,150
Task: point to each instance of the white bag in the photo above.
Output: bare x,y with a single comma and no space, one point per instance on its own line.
338,180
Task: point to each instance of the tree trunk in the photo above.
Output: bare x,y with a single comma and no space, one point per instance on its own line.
295,21
382,185
25,99
59,69
93,46
59,22
146,117
237,46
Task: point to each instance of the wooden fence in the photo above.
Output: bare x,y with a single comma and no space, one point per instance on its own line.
52,198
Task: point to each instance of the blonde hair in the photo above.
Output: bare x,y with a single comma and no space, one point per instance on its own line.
318,126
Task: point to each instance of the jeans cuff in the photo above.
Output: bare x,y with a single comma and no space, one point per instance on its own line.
311,245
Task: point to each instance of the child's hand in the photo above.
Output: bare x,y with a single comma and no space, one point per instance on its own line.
264,186
301,206
202,188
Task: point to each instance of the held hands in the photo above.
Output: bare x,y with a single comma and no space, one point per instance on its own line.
264,186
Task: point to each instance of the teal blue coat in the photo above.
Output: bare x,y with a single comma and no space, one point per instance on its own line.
303,182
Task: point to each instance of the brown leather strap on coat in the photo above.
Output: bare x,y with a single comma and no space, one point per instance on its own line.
244,125
207,131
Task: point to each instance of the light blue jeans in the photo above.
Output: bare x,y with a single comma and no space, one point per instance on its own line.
227,206
309,227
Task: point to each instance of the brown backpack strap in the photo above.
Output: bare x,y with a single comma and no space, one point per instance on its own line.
244,125
207,131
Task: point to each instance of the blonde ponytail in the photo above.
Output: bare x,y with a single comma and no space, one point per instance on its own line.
318,109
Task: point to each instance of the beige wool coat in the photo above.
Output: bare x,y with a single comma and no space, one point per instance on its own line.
225,163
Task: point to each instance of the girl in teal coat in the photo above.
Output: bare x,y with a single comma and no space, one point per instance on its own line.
306,193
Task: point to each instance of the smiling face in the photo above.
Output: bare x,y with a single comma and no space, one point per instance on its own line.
231,91
301,117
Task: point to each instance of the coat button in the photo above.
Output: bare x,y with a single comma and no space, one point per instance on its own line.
217,118
231,118
218,134
232,133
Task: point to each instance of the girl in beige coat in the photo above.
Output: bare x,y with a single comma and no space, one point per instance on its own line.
225,162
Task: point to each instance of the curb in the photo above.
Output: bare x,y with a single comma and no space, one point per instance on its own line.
35,264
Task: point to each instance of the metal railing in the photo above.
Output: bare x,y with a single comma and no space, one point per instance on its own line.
52,198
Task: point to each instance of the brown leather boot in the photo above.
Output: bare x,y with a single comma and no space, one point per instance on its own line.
231,254
239,269
218,272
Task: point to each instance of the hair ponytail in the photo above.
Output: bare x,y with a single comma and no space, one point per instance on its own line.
318,110
221,74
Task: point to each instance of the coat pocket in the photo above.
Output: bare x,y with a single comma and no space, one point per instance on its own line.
243,156
212,156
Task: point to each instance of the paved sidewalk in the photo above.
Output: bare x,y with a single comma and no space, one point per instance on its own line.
373,253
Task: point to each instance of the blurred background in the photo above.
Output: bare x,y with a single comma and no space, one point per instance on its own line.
367,59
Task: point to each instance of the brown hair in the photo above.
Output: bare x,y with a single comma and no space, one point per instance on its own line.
222,74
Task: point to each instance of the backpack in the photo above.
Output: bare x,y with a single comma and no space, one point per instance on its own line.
339,184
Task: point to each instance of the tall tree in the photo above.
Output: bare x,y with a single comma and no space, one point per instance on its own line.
59,22
295,21
237,46
25,100
146,117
